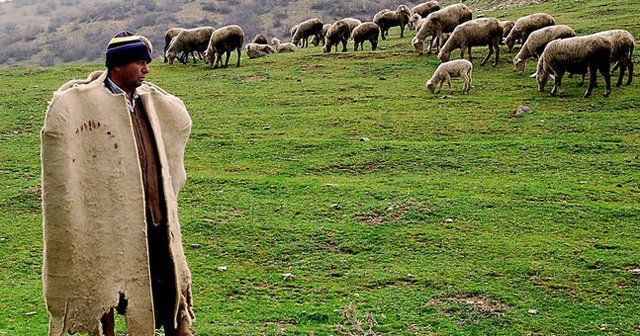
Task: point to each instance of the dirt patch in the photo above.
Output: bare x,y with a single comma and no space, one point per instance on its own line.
252,78
311,68
468,307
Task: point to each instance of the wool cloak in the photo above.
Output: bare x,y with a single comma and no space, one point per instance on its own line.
94,220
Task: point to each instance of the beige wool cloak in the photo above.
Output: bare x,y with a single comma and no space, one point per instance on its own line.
95,243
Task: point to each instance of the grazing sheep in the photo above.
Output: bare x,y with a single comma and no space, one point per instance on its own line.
622,45
478,32
283,47
339,32
255,50
440,22
311,27
386,19
447,70
316,41
425,8
367,31
224,40
352,23
534,46
260,39
506,29
188,40
576,55
168,36
293,30
526,25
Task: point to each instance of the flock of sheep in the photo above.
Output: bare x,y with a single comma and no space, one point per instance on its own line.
557,48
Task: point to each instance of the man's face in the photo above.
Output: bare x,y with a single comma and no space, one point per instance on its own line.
130,76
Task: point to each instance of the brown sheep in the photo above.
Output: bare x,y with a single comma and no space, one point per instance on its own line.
537,41
386,19
283,47
316,41
338,33
622,45
506,29
527,25
188,40
168,36
478,32
576,55
224,40
425,8
367,31
255,50
440,22
260,39
311,27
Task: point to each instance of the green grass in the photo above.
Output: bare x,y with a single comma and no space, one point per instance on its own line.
451,199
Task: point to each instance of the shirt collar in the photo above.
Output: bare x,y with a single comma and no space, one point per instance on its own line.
115,89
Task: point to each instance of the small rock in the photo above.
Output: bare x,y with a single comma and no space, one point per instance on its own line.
330,185
447,97
533,311
195,246
208,220
364,139
266,128
222,268
383,78
336,206
603,327
30,313
448,220
635,271
288,277
523,109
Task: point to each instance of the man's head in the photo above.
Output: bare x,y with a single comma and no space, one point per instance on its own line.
126,58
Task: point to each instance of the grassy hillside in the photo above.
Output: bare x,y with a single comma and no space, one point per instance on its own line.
455,218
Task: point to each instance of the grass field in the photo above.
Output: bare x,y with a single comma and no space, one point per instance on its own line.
456,217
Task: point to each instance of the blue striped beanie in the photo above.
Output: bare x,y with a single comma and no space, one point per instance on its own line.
125,48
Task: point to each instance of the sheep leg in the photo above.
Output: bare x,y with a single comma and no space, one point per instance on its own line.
226,62
592,80
374,45
557,84
344,45
448,79
630,66
355,45
467,83
194,56
623,68
401,30
239,52
484,61
604,70
496,46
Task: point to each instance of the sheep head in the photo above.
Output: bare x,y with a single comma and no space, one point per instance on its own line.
418,45
431,86
444,56
519,63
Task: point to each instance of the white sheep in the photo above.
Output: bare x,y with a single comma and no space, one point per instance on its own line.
224,41
255,50
440,22
478,32
425,8
527,25
537,41
386,19
447,70
576,55
283,47
622,45
188,40
311,27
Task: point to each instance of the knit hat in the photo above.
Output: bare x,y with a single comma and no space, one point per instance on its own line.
125,48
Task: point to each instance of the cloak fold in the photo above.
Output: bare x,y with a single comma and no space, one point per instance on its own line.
95,243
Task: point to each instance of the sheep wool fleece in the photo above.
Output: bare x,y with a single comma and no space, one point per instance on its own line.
95,230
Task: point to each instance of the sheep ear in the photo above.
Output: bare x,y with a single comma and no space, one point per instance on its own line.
533,75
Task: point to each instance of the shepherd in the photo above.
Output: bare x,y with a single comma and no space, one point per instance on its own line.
112,167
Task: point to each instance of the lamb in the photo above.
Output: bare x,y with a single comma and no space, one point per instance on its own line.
440,22
224,40
622,45
478,32
506,29
260,39
425,8
526,25
447,70
255,50
196,39
283,47
367,31
386,19
415,22
576,55
315,41
311,27
338,33
534,46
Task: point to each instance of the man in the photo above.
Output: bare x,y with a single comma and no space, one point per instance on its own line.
112,166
